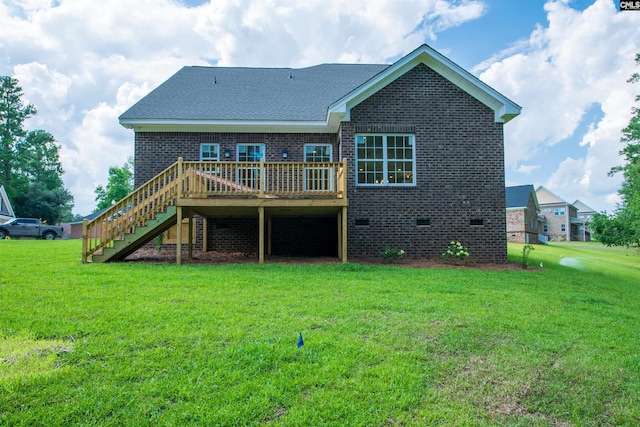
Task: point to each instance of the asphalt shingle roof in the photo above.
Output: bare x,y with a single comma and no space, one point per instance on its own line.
518,196
237,93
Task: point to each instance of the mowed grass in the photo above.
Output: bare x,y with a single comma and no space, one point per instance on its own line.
150,345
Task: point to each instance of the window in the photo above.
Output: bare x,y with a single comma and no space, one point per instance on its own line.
385,160
558,211
545,228
249,153
209,152
317,153
563,227
318,178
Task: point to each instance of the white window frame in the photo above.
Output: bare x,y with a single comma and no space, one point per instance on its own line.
202,146
250,177
318,145
323,176
385,160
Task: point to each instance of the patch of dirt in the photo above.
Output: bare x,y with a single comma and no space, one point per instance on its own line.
153,256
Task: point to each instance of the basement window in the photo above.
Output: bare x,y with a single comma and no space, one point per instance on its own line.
423,222
362,222
476,221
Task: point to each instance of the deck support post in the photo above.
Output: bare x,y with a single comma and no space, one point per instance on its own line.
85,240
269,235
190,238
344,234
261,234
178,235
204,234
339,217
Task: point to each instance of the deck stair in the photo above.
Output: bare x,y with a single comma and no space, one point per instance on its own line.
133,221
139,236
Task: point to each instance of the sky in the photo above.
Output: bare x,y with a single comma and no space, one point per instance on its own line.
565,62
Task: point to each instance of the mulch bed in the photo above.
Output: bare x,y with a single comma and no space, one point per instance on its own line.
154,256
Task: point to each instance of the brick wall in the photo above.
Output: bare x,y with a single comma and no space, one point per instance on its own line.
233,235
515,225
522,224
155,151
459,172
554,222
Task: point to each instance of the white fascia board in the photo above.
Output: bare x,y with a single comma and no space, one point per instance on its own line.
174,125
504,108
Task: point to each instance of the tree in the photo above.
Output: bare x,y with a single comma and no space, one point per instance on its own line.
623,228
50,205
13,113
38,159
119,185
30,162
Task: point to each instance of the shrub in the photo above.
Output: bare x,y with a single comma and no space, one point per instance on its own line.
158,241
526,249
391,254
455,251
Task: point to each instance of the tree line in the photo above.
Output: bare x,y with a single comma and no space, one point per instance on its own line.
30,168
622,228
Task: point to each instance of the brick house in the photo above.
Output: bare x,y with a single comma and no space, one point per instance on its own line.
561,222
522,214
415,150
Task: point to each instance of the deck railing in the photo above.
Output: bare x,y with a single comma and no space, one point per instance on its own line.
262,179
185,179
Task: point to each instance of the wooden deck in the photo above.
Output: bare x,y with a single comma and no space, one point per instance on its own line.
210,189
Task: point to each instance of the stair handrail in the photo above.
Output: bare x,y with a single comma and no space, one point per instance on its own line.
132,211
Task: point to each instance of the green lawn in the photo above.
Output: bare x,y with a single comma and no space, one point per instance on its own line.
152,345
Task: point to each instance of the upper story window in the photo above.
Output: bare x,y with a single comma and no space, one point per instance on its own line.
250,152
558,211
209,152
385,160
317,153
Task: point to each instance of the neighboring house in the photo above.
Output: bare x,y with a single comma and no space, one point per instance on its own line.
6,211
74,229
561,222
585,214
408,155
522,214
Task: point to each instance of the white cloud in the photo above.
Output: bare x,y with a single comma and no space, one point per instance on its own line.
83,63
581,59
527,169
